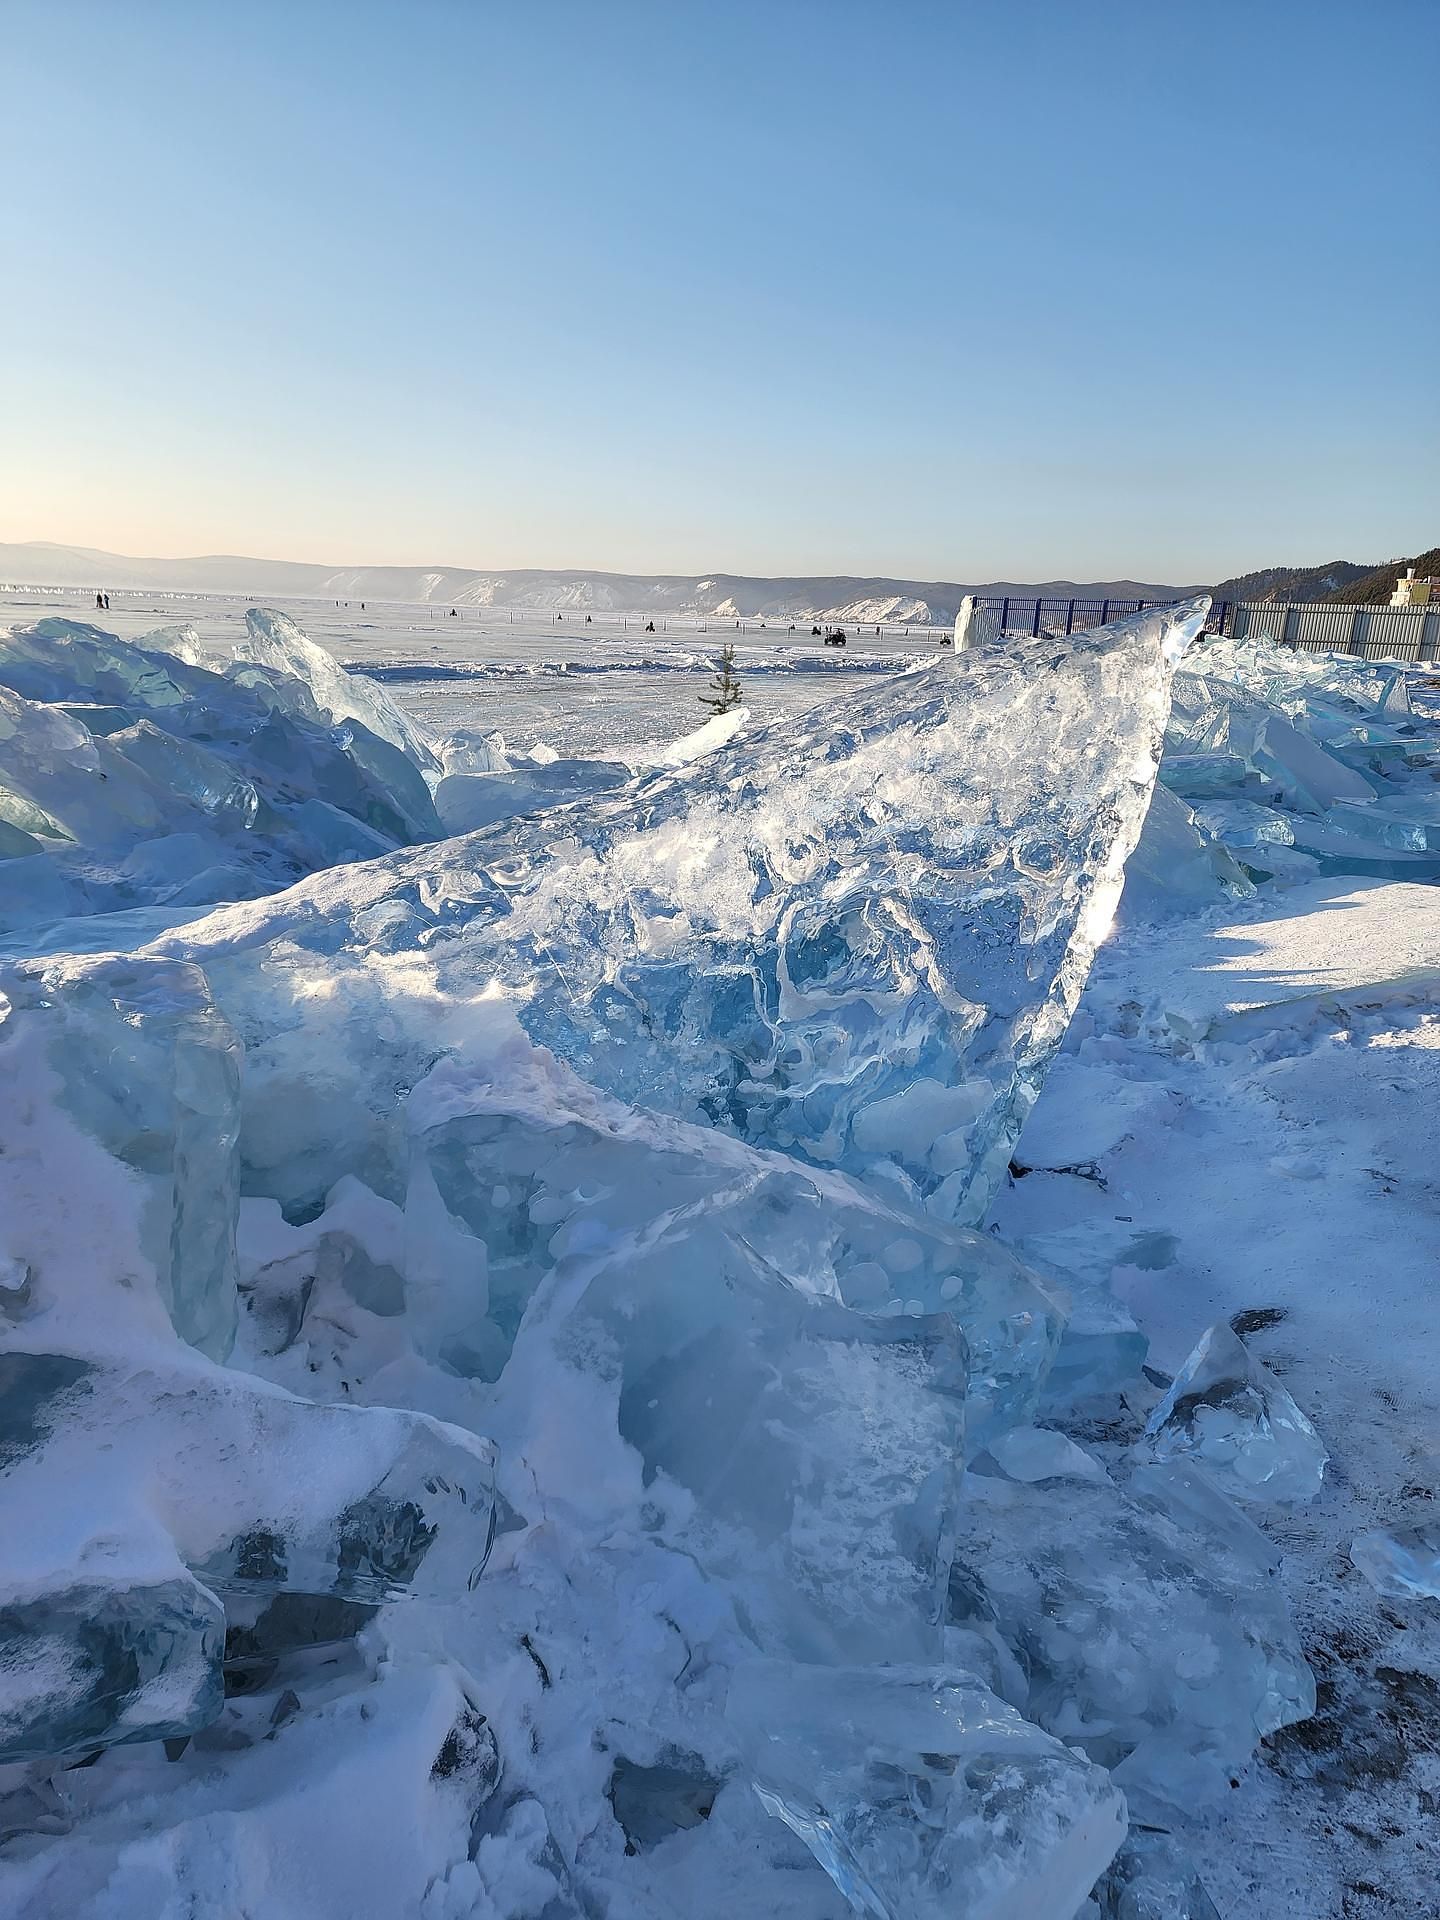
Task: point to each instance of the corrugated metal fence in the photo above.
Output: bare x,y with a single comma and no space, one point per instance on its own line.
1370,633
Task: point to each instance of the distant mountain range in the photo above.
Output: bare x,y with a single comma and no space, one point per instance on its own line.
1374,589
1339,580
720,596
1294,584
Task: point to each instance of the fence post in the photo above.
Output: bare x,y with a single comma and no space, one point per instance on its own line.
1353,644
1035,623
1104,611
1070,618
1004,613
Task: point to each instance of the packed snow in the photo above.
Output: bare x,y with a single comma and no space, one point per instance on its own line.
829,1311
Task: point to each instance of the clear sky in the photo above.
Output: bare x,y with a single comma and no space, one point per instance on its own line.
1011,288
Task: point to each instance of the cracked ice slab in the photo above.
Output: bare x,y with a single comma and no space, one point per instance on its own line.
857,936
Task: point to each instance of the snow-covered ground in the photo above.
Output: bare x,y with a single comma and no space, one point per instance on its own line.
1249,1108
1243,1124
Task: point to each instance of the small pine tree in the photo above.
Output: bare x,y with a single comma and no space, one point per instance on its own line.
726,687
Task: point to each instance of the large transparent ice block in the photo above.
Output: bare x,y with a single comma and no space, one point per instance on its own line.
535,1179
274,640
1145,1619
1231,1417
91,1665
807,1454
922,1795
856,936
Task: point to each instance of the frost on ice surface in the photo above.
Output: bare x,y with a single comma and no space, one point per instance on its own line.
922,1795
1401,1566
1229,1414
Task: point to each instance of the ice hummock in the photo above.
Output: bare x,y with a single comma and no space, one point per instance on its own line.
854,937
631,1136
1303,763
133,775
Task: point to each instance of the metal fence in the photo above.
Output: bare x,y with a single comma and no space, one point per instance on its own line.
1369,633
1010,613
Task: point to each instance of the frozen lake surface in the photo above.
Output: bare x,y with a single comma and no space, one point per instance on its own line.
582,689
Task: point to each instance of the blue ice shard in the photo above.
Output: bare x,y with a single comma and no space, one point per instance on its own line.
1401,1566
1232,1418
1144,1618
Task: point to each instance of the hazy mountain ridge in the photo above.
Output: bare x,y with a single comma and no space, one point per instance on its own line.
856,598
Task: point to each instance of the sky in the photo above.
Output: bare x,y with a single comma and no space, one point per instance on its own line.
930,288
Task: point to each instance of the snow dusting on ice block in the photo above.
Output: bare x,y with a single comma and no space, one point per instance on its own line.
363,1804
1229,1415
922,1795
540,1168
253,1489
467,801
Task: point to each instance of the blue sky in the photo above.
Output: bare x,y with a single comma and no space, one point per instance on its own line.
954,291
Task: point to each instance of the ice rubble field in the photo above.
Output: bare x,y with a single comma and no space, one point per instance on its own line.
552,1364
